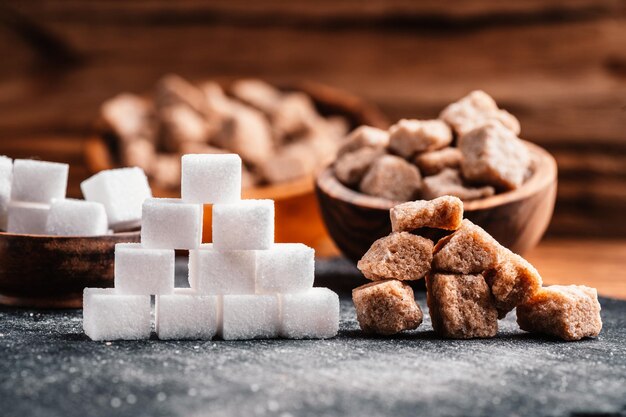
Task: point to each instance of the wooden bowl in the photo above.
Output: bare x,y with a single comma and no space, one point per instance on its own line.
52,271
297,213
517,219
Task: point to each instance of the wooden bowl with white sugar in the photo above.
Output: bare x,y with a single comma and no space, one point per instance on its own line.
51,271
517,219
297,213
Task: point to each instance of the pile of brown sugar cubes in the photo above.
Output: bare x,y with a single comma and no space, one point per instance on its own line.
417,159
471,281
279,135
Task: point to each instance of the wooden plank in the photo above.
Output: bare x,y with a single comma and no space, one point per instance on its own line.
596,263
554,77
320,12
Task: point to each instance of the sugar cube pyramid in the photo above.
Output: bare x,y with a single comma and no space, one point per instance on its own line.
242,286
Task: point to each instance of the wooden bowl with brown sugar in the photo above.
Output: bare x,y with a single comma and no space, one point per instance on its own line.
297,213
517,219
52,271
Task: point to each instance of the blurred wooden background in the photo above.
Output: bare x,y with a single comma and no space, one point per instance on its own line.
559,65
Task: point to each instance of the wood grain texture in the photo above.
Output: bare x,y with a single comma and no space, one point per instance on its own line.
52,271
560,66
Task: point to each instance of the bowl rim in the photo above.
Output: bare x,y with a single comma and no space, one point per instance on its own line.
543,175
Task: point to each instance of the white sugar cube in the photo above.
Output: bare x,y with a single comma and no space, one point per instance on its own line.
186,316
169,223
6,175
69,217
122,192
27,218
244,225
211,178
313,314
108,315
285,268
250,317
139,270
214,272
38,181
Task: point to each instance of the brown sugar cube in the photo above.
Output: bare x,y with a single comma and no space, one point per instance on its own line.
166,171
218,104
408,137
431,163
249,179
322,144
474,110
194,147
248,134
129,116
293,116
512,281
493,155
393,178
180,124
401,256
449,182
441,213
569,312
351,167
174,90
469,250
364,136
337,126
258,94
386,307
139,153
461,306
291,162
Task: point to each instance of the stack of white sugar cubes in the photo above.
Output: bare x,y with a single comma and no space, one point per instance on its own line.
32,199
242,286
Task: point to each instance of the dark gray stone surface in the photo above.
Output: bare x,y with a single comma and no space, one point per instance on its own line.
49,368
